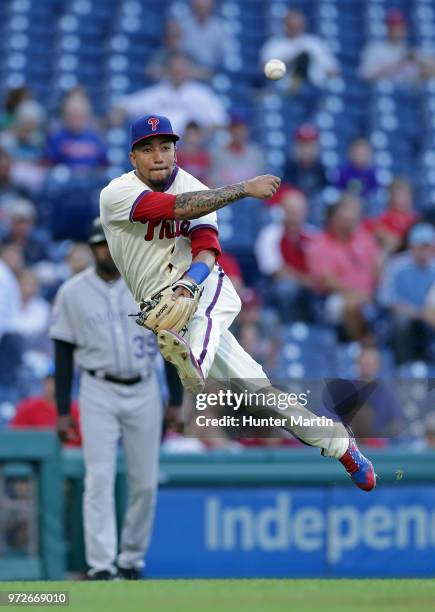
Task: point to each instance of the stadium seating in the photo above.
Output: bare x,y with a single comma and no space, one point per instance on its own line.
70,202
297,359
53,45
104,46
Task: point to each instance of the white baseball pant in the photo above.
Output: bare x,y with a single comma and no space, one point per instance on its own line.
221,357
108,412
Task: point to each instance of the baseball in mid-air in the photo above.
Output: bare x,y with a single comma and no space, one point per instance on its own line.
274,69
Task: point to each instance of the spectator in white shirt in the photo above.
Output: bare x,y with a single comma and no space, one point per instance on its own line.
204,36
10,314
393,58
35,311
178,97
307,56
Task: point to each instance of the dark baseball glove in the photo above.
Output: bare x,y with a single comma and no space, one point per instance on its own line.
164,310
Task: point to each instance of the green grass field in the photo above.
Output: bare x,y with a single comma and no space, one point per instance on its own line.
239,595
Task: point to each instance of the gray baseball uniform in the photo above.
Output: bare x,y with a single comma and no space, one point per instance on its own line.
92,314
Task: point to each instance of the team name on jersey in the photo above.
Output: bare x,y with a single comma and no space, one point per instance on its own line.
165,229
103,318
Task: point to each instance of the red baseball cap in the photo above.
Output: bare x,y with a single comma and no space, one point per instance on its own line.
306,133
284,190
395,17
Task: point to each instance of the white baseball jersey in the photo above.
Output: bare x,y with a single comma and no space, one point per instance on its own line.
92,314
153,254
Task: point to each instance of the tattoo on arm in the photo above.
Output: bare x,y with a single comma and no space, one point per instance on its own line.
198,203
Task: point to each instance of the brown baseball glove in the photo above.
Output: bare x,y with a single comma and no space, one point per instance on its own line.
166,311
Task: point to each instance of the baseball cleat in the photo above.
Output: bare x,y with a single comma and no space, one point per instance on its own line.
101,575
129,573
359,468
176,350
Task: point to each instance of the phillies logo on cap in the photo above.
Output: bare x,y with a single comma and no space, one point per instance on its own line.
153,122
149,126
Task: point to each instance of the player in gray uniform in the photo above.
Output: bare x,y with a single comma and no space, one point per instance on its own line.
119,397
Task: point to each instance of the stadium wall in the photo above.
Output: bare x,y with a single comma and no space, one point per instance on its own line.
274,513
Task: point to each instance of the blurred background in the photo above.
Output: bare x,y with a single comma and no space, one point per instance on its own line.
336,273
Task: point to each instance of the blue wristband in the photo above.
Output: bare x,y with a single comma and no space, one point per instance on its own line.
198,272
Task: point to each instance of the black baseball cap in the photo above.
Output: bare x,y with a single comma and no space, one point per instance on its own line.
96,235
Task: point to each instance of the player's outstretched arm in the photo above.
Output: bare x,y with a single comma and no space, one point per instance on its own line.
198,203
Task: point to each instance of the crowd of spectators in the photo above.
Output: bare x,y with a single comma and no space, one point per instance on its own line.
394,57
308,56
325,260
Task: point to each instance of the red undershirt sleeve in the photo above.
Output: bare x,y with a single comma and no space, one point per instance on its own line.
153,206
204,238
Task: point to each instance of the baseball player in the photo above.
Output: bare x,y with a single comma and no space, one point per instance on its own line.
161,227
119,398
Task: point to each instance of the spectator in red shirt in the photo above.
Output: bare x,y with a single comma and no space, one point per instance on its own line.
40,412
193,156
281,255
232,269
391,227
344,263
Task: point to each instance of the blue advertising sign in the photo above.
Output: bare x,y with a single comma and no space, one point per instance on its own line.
390,533
300,532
